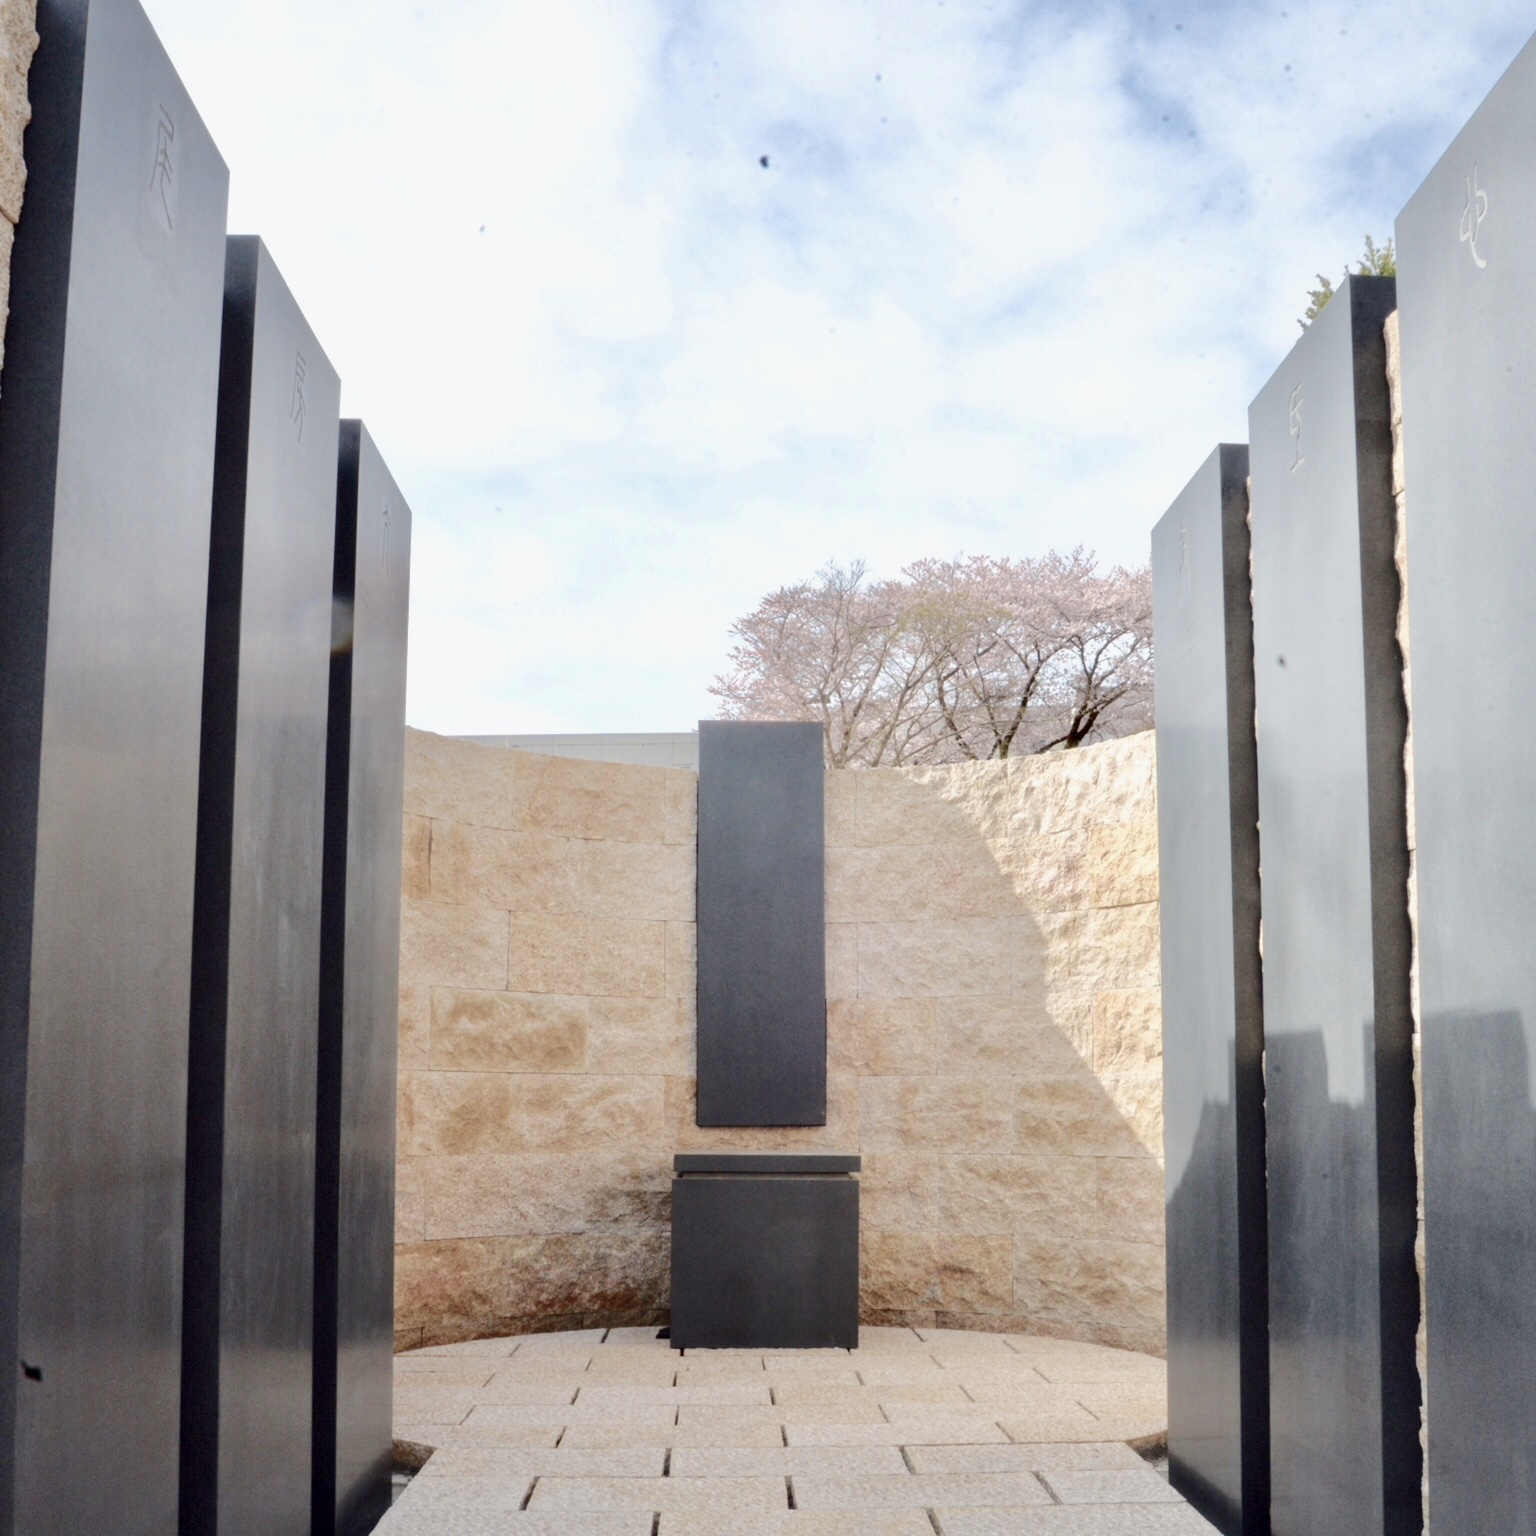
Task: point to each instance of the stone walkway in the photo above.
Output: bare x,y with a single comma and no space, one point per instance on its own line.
614,1433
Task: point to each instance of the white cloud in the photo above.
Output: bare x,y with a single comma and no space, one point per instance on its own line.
1011,270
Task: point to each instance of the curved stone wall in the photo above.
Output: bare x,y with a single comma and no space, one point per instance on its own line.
994,1036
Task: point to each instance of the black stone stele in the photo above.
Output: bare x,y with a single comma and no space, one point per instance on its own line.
1468,244
765,1251
1343,1290
359,997
246,1331
1213,1017
106,467
762,987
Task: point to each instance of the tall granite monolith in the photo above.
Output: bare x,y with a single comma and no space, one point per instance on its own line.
1343,1290
107,421
1213,1019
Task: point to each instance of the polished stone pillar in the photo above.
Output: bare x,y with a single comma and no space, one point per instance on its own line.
1213,1020
106,465
256,953
359,996
762,989
1466,271
1343,1291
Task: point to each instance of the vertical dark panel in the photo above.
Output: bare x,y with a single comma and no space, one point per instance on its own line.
1468,242
1213,1021
762,1014
106,463
1338,1031
355,1183
246,1366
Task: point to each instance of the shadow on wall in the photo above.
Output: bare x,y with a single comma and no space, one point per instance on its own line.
994,1040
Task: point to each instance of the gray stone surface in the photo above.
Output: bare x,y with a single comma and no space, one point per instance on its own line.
413,1516
1076,1520
107,430
1338,1029
762,1010
528,1462
1001,1489
804,1460
974,1431
801,1522
1129,1486
708,1494
1213,1028
1105,1457
1468,238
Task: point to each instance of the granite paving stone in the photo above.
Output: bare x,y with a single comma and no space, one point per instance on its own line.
1063,1457
1039,1428
704,1436
528,1462
719,1494
576,1413
429,1373
1075,1520
1131,1486
1000,1489
443,1435
782,1461
409,1518
787,1413
802,1522
940,1431
926,1432
546,1392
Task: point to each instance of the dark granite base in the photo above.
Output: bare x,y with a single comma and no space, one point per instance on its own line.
765,1252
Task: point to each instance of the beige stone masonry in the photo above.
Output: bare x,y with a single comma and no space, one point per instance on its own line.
994,1040
18,42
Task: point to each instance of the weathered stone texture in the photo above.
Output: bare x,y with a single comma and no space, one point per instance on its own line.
18,42
994,1040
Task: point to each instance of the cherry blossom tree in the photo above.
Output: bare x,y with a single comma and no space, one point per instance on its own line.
957,660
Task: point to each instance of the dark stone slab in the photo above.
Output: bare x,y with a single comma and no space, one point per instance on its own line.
246,1329
359,996
106,467
762,990
765,1262
1213,1019
1343,1292
764,1162
1468,243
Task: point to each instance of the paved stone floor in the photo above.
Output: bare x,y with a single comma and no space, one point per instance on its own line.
918,1432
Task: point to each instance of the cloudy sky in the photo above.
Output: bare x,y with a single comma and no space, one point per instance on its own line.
655,305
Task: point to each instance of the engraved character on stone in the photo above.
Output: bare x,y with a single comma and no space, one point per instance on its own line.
1472,217
1297,402
300,407
162,180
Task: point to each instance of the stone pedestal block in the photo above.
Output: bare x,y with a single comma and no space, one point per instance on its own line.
765,1251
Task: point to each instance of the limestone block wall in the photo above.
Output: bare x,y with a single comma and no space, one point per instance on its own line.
18,42
994,1037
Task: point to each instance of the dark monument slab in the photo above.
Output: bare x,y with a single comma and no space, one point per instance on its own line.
246,1331
106,466
1343,1291
359,997
765,1251
762,1009
1213,1020
1468,261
